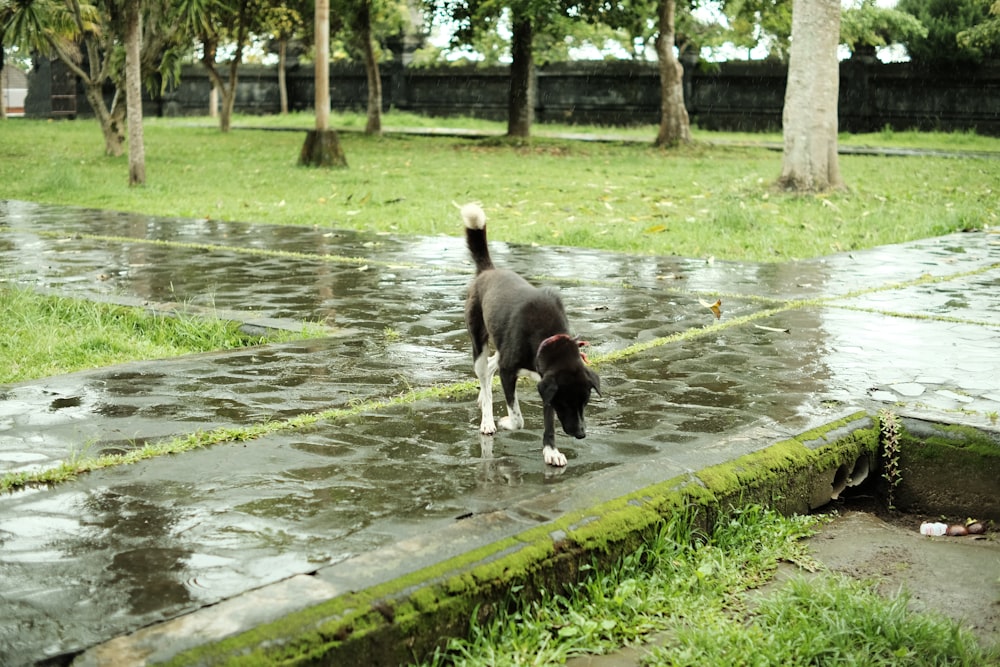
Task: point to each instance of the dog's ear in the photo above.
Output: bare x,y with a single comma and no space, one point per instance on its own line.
547,388
595,382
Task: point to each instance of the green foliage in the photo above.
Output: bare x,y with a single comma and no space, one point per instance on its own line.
388,18
984,36
283,20
557,26
760,22
866,24
945,20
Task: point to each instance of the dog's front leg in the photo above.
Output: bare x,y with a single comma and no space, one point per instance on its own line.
553,456
485,366
514,420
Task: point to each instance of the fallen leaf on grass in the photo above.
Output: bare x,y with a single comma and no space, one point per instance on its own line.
655,229
716,307
775,329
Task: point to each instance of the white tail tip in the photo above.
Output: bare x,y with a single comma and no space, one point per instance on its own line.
474,216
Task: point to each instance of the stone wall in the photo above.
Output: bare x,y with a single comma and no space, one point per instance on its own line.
728,96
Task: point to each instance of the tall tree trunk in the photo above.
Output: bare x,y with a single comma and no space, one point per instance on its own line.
282,79
229,96
322,72
521,103
364,27
133,93
675,127
228,88
3,85
221,87
208,55
809,119
322,146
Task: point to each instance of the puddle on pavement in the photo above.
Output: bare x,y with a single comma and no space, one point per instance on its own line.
125,547
238,516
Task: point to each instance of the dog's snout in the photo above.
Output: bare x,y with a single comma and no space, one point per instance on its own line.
578,431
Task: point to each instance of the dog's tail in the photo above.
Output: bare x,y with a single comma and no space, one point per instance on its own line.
475,236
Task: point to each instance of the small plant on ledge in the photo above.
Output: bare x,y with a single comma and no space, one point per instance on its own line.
889,430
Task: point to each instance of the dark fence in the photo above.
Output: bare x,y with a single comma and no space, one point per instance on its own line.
729,96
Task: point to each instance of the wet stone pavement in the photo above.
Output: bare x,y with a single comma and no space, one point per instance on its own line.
381,492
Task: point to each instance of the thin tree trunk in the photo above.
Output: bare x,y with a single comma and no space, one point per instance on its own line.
282,82
208,53
521,103
675,127
133,93
322,80
93,82
809,120
322,145
111,125
374,112
3,86
228,88
225,89
229,97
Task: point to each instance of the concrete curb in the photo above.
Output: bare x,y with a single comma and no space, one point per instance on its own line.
309,619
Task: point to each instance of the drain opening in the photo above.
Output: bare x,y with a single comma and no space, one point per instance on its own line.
847,477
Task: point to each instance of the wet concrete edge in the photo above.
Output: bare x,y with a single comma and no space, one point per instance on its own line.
420,593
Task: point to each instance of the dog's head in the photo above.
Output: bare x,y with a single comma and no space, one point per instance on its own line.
568,392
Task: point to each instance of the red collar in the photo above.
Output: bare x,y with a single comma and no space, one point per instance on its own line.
561,336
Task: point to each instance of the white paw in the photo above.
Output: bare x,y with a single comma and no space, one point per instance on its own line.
553,456
509,423
488,426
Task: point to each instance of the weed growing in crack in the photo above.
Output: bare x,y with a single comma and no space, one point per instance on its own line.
889,428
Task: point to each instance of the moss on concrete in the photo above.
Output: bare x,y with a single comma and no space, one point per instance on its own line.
936,440
948,470
407,618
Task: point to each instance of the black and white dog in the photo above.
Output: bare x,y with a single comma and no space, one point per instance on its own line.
528,329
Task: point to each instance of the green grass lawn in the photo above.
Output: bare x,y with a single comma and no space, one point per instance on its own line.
698,201
50,335
698,592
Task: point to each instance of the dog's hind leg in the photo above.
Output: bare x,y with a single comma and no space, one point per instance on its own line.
514,420
485,367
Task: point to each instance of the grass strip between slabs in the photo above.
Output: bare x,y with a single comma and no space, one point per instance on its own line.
68,470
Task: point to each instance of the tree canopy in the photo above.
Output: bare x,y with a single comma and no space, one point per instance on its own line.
984,36
865,25
945,20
